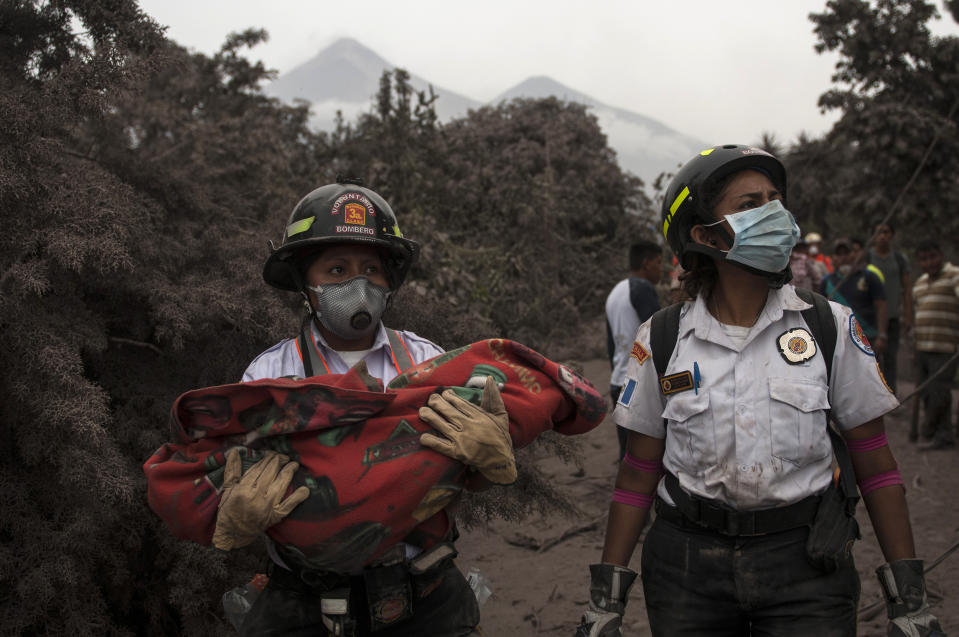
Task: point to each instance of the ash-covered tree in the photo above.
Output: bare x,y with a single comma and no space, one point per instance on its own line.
137,182
138,185
895,145
537,197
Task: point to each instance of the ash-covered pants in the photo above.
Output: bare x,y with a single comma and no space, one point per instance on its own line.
937,396
444,605
700,583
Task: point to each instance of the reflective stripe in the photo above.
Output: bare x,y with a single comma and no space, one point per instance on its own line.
401,356
402,360
311,364
299,226
706,152
680,198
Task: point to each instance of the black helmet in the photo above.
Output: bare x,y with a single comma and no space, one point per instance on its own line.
344,212
684,205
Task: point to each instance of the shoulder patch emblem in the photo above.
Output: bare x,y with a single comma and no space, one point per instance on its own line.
797,346
676,383
858,337
639,352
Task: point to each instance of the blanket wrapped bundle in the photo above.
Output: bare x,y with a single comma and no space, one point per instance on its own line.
371,482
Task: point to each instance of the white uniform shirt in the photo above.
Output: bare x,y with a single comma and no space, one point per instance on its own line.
753,435
283,359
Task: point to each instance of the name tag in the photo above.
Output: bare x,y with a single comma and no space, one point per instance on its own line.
676,382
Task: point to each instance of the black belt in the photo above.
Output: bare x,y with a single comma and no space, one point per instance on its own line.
316,581
727,521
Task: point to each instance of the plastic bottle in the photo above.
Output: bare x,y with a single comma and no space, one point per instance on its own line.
480,584
238,601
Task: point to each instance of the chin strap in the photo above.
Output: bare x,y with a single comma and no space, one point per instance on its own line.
301,286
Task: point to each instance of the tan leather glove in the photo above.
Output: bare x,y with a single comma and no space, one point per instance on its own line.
476,436
252,502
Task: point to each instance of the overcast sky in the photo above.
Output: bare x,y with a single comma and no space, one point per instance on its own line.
721,71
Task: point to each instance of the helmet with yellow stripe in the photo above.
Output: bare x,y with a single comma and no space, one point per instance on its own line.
344,212
696,187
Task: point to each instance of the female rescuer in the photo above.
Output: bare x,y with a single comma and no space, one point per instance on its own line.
753,531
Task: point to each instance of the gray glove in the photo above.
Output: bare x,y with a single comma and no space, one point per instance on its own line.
608,591
904,588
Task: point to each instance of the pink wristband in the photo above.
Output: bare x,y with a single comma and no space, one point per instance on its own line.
867,444
632,498
880,480
646,466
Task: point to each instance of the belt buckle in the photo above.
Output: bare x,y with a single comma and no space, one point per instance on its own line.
732,525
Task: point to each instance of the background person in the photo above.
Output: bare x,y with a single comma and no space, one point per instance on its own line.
630,303
937,333
806,272
895,269
854,286
814,239
738,425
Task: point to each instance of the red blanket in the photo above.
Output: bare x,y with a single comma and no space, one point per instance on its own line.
371,482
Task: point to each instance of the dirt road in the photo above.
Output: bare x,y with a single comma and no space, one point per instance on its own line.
543,591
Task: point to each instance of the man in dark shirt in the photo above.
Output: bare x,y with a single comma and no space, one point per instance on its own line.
856,287
895,269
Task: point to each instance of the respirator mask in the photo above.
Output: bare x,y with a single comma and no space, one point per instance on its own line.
351,309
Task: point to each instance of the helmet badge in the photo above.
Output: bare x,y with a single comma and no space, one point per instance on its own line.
354,213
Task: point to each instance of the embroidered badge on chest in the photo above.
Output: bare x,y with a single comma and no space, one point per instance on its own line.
797,346
858,337
676,382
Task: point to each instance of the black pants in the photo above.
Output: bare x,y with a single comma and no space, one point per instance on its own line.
443,606
700,583
937,396
888,360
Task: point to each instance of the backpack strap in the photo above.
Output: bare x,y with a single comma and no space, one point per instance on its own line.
313,365
401,356
663,333
821,323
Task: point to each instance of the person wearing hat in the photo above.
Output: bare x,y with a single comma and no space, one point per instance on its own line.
807,273
344,254
726,399
814,239
856,286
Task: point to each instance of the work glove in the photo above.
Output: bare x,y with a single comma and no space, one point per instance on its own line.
476,436
904,588
608,591
252,502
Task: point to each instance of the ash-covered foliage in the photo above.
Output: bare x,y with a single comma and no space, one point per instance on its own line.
139,184
895,147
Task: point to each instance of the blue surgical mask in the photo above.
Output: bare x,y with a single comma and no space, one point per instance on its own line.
764,237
